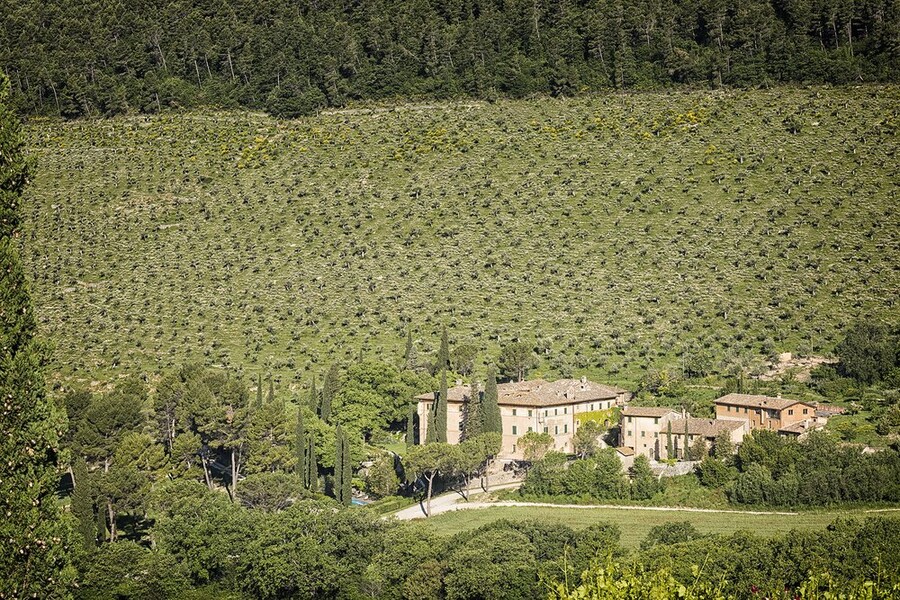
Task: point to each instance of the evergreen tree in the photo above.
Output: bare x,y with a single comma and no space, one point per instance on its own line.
33,541
442,362
670,445
431,427
330,388
338,490
271,395
300,448
312,473
685,452
409,354
83,506
440,411
474,418
490,410
347,475
259,393
411,426
313,396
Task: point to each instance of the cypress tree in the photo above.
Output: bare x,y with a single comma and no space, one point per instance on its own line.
347,476
440,411
408,354
431,427
83,504
271,396
411,426
314,397
312,473
474,419
443,356
684,452
490,410
33,544
339,464
671,445
300,448
259,395
329,390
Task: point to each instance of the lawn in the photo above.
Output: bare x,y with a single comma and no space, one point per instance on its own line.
635,524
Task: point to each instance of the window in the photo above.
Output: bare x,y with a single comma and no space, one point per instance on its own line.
545,413
656,434
745,410
629,433
656,420
790,411
728,408
566,410
643,434
805,411
515,430
545,429
565,429
592,407
529,430
556,430
555,411
529,413
514,412
629,419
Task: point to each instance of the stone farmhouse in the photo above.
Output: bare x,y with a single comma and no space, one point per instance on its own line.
535,405
787,417
645,431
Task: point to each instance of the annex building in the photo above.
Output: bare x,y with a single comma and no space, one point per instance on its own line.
534,405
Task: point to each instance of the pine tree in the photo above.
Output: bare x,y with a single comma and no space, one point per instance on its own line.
33,542
490,410
440,411
442,362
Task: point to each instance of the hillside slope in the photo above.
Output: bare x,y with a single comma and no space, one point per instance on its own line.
614,232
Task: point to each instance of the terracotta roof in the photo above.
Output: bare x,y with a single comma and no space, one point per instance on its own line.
709,428
800,427
646,411
539,393
625,451
758,401
829,409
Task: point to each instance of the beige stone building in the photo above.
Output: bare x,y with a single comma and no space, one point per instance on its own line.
536,405
765,412
645,431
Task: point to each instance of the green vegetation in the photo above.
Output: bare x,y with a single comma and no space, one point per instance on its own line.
237,240
34,540
295,58
637,524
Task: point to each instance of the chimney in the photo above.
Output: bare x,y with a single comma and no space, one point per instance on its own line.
583,379
458,382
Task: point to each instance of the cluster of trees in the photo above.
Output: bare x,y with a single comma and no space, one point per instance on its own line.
311,550
597,476
106,58
34,543
769,469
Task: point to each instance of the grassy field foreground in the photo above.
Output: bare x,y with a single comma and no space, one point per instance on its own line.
614,232
636,524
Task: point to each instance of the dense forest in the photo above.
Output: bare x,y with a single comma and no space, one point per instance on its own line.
104,58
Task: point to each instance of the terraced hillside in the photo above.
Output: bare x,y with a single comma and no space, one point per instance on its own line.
614,233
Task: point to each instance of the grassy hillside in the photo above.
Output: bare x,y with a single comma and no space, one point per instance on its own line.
615,232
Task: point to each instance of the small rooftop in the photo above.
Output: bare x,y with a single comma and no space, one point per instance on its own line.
647,411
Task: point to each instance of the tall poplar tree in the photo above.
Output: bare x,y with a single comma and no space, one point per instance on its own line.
490,410
34,544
